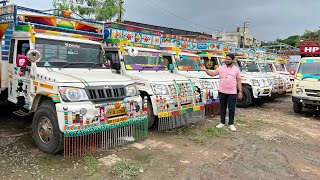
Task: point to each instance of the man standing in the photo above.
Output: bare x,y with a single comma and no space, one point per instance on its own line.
230,79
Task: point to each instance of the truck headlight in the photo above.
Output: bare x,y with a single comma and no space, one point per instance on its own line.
255,82
160,89
206,84
299,91
73,94
131,90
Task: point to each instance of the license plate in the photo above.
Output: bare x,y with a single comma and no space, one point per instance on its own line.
115,112
117,120
266,90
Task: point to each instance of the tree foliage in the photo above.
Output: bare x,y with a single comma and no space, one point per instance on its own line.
311,35
307,35
98,10
291,40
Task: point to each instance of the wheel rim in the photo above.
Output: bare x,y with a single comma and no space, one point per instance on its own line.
45,130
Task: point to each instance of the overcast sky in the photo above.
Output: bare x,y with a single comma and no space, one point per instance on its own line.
269,19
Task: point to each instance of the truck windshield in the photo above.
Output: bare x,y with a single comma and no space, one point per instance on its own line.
310,69
188,63
249,66
56,53
264,67
280,67
144,61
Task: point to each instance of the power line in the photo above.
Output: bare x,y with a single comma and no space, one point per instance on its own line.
182,18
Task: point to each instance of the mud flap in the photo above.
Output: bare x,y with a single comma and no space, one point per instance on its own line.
212,108
83,142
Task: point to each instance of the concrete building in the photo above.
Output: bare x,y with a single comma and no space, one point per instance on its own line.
242,38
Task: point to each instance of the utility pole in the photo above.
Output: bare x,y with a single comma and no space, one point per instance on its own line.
244,30
121,11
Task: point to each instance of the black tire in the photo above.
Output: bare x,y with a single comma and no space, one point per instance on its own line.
46,111
246,101
273,97
297,108
261,100
151,116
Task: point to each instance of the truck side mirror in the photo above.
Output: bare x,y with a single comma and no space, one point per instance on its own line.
33,55
292,72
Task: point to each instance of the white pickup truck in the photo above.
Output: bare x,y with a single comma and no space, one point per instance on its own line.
278,83
189,65
78,105
279,67
172,98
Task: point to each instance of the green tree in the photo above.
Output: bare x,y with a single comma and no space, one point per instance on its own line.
98,10
311,35
291,40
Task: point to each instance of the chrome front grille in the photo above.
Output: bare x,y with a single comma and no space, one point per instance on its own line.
312,92
105,93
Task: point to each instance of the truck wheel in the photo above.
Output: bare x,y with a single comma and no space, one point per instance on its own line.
297,108
246,101
261,100
151,116
45,129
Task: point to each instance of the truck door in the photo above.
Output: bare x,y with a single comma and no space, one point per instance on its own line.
19,69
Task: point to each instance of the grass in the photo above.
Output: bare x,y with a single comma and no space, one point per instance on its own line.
125,169
91,163
252,125
215,132
200,134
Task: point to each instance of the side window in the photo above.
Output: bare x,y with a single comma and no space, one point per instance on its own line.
12,45
23,47
112,56
167,60
271,67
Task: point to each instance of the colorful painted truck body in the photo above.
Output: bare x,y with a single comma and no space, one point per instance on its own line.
306,89
172,100
78,104
186,63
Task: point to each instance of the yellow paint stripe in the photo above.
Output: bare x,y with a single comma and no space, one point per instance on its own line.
35,83
48,86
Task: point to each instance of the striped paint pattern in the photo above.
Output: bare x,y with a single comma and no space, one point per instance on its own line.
55,98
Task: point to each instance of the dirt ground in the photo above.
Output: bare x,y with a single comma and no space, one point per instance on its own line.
271,142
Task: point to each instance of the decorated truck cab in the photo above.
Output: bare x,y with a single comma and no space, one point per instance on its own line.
53,69
180,59
306,89
265,68
279,66
171,98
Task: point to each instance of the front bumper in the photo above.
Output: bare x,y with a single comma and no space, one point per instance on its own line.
306,100
261,91
73,123
289,88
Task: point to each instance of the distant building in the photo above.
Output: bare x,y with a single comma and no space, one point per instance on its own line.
240,38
